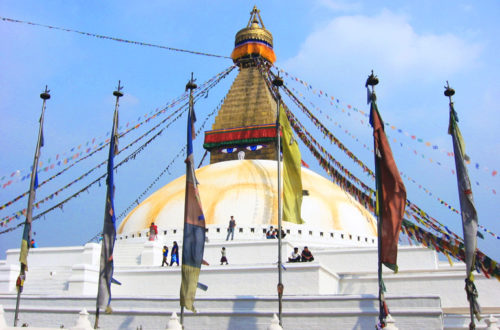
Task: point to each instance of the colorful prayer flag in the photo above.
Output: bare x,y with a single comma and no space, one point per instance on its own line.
109,227
468,210
26,240
391,192
194,225
292,173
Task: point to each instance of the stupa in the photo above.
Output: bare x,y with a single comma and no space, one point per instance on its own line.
338,290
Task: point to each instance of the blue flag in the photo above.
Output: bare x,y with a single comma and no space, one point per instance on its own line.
109,228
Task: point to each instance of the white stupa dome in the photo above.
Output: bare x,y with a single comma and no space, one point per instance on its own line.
247,189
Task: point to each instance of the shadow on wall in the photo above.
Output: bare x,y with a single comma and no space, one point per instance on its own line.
243,304
126,324
368,306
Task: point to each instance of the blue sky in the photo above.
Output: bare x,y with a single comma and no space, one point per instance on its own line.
413,47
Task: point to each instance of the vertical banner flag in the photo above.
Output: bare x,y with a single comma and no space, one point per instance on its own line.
468,210
391,192
26,240
292,175
109,228
194,225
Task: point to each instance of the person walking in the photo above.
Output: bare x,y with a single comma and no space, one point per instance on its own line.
174,255
165,255
223,258
230,229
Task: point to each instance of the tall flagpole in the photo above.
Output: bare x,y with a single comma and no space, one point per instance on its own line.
373,81
191,86
110,192
26,240
278,82
467,208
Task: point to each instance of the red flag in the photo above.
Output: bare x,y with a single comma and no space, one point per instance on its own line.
391,192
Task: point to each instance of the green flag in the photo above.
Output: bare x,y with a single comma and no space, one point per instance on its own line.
292,178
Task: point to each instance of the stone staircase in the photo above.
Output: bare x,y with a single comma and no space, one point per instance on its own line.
128,254
237,312
40,280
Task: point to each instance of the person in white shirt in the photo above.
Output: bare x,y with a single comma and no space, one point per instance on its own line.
295,256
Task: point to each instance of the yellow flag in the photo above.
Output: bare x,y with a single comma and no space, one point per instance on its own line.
292,179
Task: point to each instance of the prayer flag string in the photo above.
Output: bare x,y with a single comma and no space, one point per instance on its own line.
199,93
335,102
99,143
342,147
100,36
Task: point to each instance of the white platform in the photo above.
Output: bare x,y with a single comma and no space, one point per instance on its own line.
336,291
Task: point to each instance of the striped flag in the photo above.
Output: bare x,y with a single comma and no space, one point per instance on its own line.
194,226
468,210
109,228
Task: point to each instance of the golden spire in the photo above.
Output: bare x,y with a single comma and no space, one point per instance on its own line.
254,40
254,14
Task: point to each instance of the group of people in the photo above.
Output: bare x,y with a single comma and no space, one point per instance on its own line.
306,255
174,255
273,233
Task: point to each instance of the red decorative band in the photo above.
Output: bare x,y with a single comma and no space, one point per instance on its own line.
240,135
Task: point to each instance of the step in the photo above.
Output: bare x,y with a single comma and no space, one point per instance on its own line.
299,312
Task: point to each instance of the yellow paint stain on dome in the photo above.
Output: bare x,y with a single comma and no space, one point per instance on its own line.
247,189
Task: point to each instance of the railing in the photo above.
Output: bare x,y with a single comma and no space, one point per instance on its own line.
218,232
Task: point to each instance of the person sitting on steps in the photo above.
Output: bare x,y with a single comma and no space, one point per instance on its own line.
307,255
295,256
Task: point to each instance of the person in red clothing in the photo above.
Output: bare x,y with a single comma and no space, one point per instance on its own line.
153,231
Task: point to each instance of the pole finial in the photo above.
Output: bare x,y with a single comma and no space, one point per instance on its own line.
448,91
191,85
45,95
118,92
372,80
278,81
255,17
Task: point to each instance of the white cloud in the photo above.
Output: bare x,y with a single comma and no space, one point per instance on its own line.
386,43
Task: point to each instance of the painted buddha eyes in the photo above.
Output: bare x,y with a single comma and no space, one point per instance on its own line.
234,149
228,150
255,147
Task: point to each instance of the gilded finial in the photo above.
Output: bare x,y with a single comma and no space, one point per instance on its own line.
253,40
254,14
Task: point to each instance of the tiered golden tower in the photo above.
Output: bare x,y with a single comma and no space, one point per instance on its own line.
245,127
